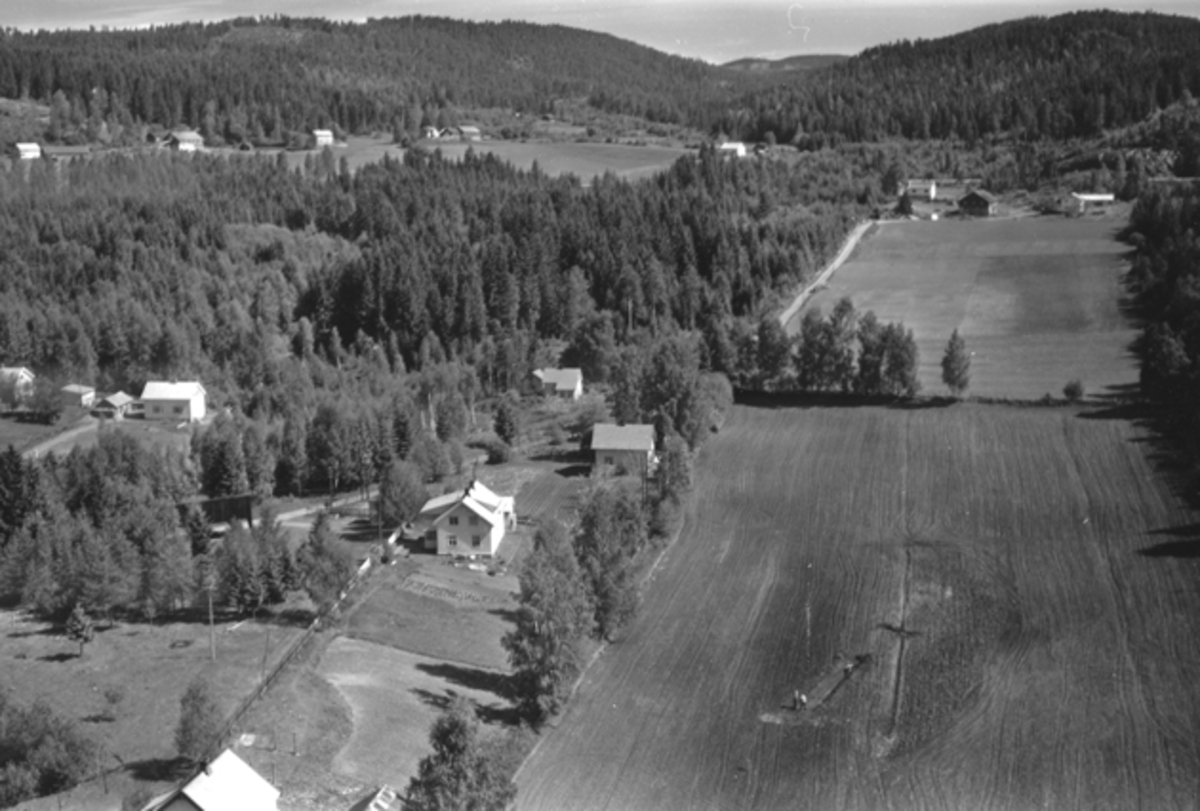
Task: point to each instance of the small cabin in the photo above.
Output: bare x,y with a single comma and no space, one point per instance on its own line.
977,203
469,133
322,138
922,189
183,402
626,449
27,151
185,141
74,394
565,384
732,149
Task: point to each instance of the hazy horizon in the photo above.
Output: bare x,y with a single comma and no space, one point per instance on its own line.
716,32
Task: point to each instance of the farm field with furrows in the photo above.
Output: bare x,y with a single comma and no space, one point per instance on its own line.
1037,300
987,608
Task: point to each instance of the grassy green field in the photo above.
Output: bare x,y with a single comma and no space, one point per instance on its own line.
22,435
586,160
1014,575
1037,300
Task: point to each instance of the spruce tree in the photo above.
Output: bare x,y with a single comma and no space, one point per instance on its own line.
956,365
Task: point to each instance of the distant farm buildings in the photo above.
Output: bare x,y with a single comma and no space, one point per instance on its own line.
922,189
16,385
173,401
431,133
113,407
977,203
624,448
468,132
732,149
1082,201
27,151
471,521
185,141
566,384
74,394
322,138
59,154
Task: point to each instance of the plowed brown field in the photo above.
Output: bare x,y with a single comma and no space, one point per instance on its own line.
1023,653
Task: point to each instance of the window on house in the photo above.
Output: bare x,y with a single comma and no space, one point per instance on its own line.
476,541
452,540
608,460
178,409
454,520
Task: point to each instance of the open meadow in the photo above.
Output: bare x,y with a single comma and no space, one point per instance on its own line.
1037,300
988,607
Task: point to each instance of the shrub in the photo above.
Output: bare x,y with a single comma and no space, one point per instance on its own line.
498,452
1073,391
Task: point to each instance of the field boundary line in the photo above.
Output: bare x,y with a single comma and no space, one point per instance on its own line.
642,581
852,240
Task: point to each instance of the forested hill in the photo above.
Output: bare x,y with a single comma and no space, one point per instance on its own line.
1067,76
264,77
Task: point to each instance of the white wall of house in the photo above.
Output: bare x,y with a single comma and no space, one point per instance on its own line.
177,410
463,532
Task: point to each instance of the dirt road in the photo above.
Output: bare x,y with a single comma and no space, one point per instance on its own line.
803,296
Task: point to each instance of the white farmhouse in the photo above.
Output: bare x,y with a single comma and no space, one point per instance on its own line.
173,401
471,521
226,783
322,138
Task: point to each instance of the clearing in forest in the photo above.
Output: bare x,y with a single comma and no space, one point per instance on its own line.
1038,300
1010,584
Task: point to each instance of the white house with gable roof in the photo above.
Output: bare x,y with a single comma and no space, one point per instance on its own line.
225,784
173,401
471,521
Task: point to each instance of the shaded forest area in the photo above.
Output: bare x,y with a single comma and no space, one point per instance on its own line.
1070,76
264,79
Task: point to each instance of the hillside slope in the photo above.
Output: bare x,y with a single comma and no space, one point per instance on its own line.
1068,76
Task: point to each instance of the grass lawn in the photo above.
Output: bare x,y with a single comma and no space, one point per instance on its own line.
152,663
21,435
1037,300
1015,577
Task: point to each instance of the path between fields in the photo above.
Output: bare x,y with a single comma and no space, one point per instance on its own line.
53,442
823,277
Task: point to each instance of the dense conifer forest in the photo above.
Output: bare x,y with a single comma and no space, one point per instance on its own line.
1073,75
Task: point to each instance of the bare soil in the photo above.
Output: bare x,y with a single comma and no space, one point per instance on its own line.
1011,574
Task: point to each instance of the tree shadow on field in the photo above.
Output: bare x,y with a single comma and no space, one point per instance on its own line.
1186,546
1166,436
506,614
160,769
470,678
833,399
58,657
432,699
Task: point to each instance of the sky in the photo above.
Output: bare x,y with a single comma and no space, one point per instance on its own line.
713,30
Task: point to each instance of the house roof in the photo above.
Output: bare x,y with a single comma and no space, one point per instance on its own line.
28,146
1094,198
188,135
468,128
323,132
14,371
490,515
476,497
76,388
118,400
921,184
161,390
609,437
65,151
227,783
562,379
980,193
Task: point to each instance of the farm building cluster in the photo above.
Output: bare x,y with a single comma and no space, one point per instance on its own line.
183,401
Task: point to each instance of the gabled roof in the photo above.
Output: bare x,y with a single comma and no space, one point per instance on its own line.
983,195
227,783
188,135
562,379
1095,198
609,437
76,388
323,132
14,371
118,400
161,390
475,497
491,516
